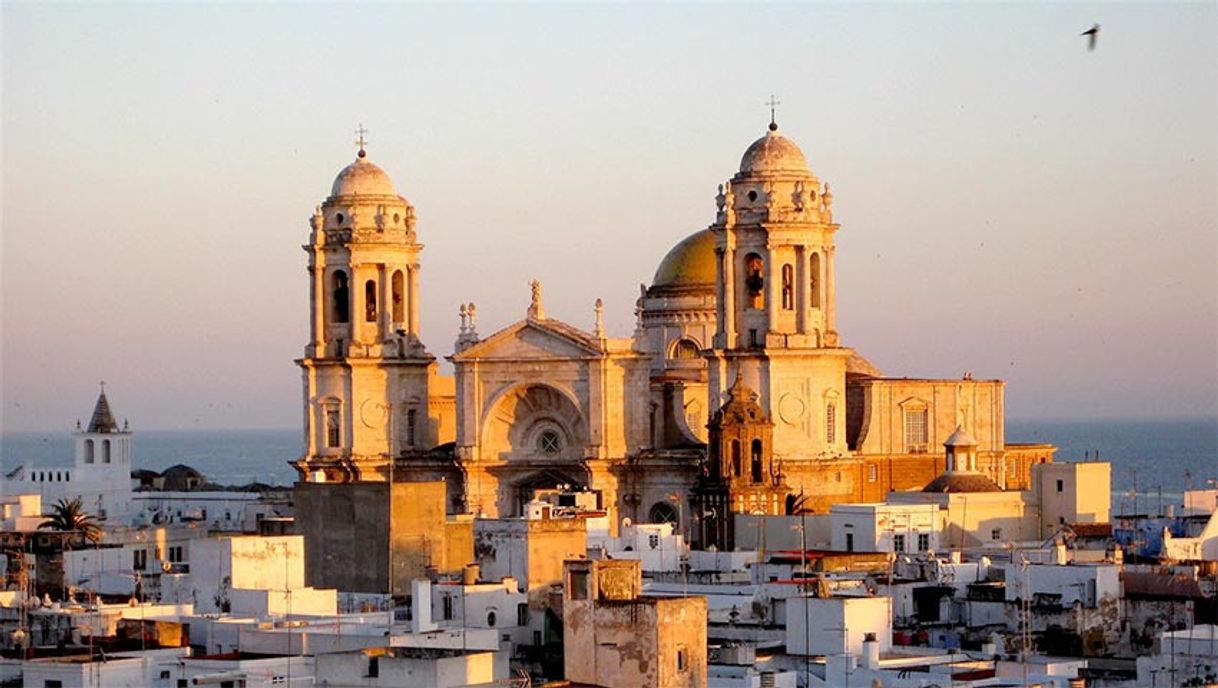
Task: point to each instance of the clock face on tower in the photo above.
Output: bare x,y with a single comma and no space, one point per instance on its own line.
373,413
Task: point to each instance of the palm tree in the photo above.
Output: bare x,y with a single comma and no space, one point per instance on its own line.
68,515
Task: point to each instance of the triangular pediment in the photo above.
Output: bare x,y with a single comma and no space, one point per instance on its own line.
534,339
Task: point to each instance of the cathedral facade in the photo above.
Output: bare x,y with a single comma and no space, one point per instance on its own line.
734,393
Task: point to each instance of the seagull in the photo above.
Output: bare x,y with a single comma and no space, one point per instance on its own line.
1091,35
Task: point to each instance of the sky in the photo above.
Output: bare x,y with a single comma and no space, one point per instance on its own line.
1011,204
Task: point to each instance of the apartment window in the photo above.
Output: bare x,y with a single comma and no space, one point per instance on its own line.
753,338
923,542
448,607
88,451
898,542
996,534
849,542
522,614
915,431
682,659
52,683
165,675
1060,487
490,619
139,559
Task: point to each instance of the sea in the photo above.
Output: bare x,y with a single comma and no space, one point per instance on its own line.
1153,460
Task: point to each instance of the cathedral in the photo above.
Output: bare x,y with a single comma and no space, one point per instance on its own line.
734,394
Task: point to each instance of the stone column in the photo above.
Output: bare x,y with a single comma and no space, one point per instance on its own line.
413,301
384,311
803,294
318,303
773,294
729,298
830,291
356,288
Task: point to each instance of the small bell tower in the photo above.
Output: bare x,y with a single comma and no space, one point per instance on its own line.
776,329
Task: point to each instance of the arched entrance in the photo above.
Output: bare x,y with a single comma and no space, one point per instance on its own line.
539,435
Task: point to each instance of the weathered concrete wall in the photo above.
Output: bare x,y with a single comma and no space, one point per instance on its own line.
348,534
613,636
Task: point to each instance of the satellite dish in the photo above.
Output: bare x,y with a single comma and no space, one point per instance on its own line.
626,522
166,566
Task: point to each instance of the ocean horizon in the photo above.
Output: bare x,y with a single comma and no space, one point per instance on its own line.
1151,455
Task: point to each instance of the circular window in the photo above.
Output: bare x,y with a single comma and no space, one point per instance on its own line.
549,443
752,196
339,218
490,619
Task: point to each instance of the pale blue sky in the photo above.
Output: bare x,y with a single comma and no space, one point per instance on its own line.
1011,204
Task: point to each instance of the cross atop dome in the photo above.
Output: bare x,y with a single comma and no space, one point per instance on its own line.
773,103
361,142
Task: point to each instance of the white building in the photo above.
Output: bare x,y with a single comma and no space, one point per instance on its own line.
898,528
271,568
1064,585
402,666
655,545
837,625
149,669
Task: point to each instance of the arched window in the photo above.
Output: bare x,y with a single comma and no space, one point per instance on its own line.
88,451
333,428
370,301
737,469
342,297
788,287
754,280
411,419
663,512
399,297
105,451
755,461
814,271
685,349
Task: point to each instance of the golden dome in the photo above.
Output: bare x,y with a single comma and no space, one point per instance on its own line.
689,263
362,178
773,153
858,366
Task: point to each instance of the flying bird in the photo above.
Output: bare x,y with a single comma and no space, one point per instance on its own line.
1091,35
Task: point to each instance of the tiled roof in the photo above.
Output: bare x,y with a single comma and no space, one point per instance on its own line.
102,420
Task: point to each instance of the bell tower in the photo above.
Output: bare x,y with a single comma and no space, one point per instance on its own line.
365,371
776,323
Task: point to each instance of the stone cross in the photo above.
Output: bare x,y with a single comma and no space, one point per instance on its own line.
360,141
773,103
